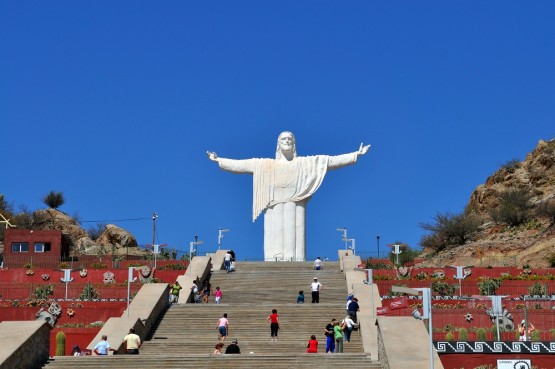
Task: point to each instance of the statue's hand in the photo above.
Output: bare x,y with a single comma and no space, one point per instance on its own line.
212,156
363,149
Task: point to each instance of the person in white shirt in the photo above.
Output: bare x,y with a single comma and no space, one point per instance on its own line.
316,287
349,325
318,264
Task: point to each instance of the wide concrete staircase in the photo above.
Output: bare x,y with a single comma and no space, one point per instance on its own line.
186,334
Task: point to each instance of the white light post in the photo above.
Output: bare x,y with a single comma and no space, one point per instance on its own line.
344,235
67,278
426,312
370,282
396,250
221,235
353,244
460,275
156,251
129,280
192,248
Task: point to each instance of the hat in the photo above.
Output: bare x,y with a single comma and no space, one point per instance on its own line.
234,341
315,278
523,321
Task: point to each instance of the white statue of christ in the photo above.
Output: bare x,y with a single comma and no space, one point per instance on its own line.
282,188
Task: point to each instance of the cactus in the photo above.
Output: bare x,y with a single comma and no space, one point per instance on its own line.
463,334
449,336
60,344
481,334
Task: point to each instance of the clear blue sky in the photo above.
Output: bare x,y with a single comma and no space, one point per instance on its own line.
115,103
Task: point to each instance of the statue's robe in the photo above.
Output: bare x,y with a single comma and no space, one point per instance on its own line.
281,189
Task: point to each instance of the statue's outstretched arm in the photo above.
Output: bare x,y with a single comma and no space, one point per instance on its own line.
212,156
339,161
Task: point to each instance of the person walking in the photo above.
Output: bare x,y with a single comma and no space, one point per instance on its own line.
353,308
227,261
273,319
338,335
132,343
318,264
206,290
330,340
349,326
223,327
218,295
102,347
316,287
174,292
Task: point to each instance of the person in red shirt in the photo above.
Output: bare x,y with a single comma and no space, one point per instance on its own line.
274,324
312,346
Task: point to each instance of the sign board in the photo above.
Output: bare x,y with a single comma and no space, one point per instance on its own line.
514,364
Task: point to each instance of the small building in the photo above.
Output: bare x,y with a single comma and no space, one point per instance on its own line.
43,248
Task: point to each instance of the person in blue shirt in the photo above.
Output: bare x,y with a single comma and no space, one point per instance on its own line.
300,297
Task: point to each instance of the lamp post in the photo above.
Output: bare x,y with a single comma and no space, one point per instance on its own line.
426,310
67,278
460,275
344,235
378,241
129,280
193,248
397,250
370,282
221,235
353,244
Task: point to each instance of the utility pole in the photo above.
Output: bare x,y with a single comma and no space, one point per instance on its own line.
154,216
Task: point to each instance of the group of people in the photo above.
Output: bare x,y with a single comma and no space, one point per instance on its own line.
199,295
229,261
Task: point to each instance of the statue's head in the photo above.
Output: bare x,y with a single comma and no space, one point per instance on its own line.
286,145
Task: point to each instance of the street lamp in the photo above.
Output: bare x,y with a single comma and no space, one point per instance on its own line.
221,235
378,241
396,250
193,248
460,275
67,278
370,281
344,236
129,280
353,244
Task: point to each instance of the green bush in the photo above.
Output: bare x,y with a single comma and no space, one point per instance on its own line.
89,293
406,256
535,335
443,288
547,209
42,292
537,289
54,199
450,230
449,336
514,207
511,165
488,286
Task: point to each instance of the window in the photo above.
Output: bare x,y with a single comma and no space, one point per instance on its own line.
20,247
42,246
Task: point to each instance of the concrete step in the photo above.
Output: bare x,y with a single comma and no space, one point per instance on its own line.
166,361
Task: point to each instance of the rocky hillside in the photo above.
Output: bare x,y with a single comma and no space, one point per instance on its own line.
526,238
111,239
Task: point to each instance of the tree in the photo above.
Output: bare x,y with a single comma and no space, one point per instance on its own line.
450,229
514,207
54,199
